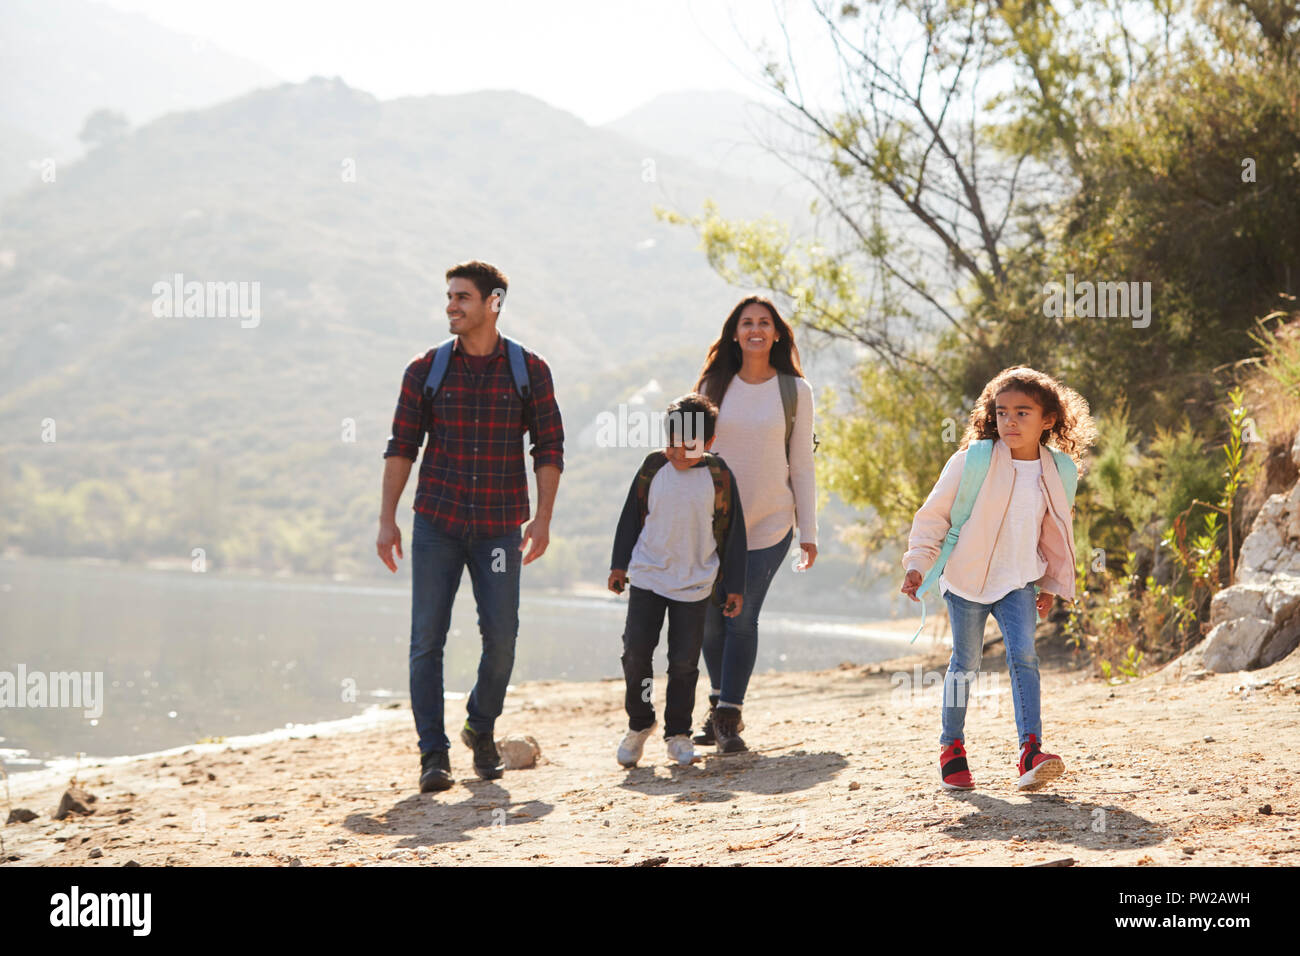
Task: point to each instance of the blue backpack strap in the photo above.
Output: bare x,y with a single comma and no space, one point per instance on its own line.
973,472
438,367
1069,472
523,384
519,370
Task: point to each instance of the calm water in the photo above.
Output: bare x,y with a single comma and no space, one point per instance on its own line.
186,656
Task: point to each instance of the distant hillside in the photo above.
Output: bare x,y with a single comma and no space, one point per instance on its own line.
21,156
720,130
60,60
181,433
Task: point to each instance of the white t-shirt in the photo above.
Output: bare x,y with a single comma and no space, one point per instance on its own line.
676,555
1016,558
751,440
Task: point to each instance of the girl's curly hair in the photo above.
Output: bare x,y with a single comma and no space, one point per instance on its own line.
1074,430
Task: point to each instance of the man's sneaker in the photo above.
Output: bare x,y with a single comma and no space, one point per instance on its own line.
435,771
681,749
487,762
726,728
1036,767
953,771
629,751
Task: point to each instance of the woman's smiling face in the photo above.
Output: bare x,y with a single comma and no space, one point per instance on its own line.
755,330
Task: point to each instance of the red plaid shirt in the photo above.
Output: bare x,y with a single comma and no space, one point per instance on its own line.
472,480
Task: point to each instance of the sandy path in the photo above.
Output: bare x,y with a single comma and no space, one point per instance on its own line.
1159,771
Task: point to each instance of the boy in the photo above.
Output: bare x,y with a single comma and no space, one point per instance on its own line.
681,540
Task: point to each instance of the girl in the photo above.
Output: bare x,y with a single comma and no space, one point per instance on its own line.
1012,555
765,435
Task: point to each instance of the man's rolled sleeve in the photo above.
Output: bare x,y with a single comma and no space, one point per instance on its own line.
547,429
408,421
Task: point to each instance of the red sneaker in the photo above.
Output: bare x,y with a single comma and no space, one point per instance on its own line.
953,771
1037,768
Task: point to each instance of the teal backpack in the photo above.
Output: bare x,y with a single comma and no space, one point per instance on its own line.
974,470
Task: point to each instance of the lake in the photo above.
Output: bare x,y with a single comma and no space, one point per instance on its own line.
183,656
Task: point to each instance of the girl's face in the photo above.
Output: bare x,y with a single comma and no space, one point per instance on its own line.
1020,419
755,331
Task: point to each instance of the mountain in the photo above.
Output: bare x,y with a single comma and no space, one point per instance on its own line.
341,212
719,130
60,60
22,157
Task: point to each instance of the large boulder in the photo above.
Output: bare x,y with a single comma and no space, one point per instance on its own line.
1256,622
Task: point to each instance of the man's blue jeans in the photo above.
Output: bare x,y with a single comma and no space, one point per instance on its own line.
731,643
1017,615
437,561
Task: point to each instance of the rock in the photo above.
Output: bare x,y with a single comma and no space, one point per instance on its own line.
75,800
1241,600
854,785
1235,645
1280,643
20,815
519,752
130,863
1266,809
96,853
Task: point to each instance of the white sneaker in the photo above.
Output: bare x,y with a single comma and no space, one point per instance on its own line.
681,749
629,751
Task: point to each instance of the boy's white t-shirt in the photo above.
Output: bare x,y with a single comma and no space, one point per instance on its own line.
1016,559
676,555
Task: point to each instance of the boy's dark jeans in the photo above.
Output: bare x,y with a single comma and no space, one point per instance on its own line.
645,617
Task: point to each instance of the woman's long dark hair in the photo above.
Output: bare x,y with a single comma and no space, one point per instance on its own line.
724,358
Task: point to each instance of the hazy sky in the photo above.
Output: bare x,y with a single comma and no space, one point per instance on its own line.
595,59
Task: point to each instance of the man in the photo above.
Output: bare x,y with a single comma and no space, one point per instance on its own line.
470,501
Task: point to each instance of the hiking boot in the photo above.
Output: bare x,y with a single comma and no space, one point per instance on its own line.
681,749
953,772
705,736
1036,767
435,771
726,728
487,762
629,751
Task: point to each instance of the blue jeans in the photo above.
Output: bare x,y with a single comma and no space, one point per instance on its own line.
437,561
1016,614
645,618
731,643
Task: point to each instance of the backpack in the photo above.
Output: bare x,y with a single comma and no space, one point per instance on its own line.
721,503
518,372
789,402
973,472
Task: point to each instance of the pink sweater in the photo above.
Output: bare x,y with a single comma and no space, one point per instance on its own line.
968,565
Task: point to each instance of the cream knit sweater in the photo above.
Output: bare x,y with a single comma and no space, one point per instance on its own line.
751,440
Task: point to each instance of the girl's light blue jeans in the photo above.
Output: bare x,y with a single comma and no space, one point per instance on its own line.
1016,614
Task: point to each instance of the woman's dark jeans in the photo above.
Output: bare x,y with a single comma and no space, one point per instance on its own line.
731,643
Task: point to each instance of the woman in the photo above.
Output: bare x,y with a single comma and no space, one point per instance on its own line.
742,375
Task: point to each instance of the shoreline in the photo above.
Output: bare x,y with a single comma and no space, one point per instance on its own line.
1178,768
54,768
